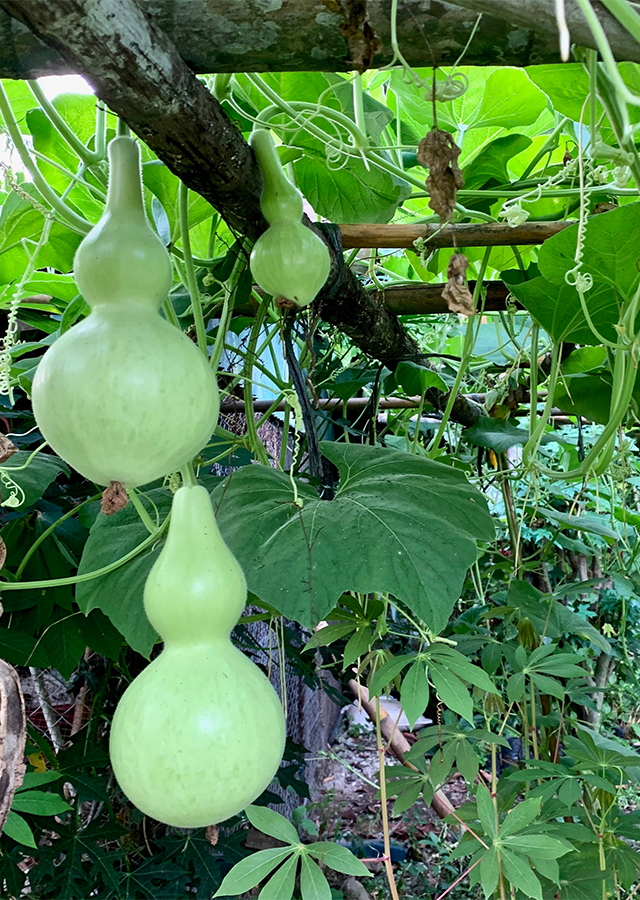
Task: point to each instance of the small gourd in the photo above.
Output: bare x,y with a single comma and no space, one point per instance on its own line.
124,395
199,734
288,260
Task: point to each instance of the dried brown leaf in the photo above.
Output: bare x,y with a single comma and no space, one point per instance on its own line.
3,553
7,448
212,835
439,153
456,291
114,498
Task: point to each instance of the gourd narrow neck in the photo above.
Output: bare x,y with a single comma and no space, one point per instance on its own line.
280,201
124,194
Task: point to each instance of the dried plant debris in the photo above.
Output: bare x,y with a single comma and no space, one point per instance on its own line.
7,448
360,36
456,291
13,736
114,498
439,153
3,559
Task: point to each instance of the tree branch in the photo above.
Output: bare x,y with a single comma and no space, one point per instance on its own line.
308,35
541,15
136,70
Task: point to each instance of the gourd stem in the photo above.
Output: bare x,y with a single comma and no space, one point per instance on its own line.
101,131
72,220
280,199
122,129
170,313
188,475
89,576
190,272
87,156
124,193
144,515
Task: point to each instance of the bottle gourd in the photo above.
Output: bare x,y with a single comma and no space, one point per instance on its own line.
199,734
124,395
288,260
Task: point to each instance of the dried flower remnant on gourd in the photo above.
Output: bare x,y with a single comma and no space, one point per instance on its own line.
456,291
114,498
439,153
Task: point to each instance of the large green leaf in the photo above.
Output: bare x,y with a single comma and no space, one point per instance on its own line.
510,99
48,141
557,308
33,480
609,256
500,434
491,163
398,523
163,184
352,193
119,594
567,87
550,617
20,220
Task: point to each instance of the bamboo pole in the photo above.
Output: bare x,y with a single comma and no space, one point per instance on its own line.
468,235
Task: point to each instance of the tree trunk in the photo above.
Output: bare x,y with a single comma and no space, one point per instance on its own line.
331,36
604,667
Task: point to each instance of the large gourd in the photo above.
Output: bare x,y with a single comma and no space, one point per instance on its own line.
123,395
199,733
288,260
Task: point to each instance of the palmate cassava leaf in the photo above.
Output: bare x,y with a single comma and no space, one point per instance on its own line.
397,523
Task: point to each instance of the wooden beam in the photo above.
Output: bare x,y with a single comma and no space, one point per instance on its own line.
541,15
313,35
486,235
419,299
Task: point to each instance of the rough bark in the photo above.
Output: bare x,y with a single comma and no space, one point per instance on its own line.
136,70
307,35
540,14
13,737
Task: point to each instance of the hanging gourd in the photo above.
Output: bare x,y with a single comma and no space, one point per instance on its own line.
124,395
199,734
288,261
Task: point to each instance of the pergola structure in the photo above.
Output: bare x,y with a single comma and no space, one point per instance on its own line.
142,58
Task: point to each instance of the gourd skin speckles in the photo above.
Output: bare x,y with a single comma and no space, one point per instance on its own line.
200,733
123,395
288,260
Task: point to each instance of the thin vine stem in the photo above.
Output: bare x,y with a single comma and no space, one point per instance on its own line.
48,531
71,219
88,576
190,272
384,811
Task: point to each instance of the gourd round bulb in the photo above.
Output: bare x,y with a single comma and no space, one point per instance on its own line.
288,260
123,395
199,734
